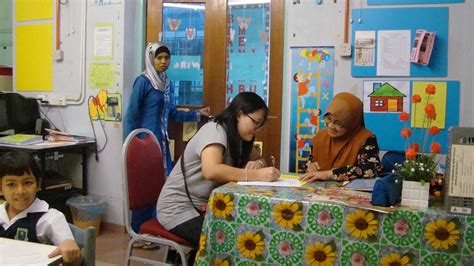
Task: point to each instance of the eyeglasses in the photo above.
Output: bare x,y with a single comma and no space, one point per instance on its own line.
256,123
336,124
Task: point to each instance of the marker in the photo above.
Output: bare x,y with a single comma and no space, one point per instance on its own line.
273,160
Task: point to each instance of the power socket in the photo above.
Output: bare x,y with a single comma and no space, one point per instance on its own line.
345,49
57,100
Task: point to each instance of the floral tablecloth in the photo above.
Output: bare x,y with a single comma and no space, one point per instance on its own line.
255,225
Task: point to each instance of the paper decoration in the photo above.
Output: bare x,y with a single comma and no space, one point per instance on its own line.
34,57
190,33
173,24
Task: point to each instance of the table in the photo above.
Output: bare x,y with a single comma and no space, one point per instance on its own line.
255,225
15,252
44,148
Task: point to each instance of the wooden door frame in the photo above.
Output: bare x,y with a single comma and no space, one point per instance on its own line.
214,83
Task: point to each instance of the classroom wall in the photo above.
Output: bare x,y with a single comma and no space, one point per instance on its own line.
305,24
310,24
105,173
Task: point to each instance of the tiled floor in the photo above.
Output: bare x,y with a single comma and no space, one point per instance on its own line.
111,246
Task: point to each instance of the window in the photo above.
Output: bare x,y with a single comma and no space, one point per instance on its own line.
183,31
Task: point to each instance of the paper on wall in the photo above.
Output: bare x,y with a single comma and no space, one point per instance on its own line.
393,53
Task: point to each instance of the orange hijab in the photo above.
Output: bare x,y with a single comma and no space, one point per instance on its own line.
333,153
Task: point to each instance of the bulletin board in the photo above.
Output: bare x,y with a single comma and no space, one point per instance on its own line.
387,126
411,2
435,19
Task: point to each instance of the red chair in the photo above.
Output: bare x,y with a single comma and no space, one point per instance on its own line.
144,177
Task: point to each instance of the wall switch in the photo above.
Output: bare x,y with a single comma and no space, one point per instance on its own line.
345,49
58,55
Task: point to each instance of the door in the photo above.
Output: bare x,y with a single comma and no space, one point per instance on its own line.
215,55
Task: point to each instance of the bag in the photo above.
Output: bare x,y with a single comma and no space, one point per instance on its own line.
387,191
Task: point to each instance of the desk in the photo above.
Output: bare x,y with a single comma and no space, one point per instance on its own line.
251,225
42,149
15,252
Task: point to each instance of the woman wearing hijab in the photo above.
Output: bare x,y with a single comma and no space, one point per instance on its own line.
151,104
345,149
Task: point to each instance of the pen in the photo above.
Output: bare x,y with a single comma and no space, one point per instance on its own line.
273,160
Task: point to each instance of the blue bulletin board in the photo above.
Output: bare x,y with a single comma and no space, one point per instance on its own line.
411,2
387,126
434,19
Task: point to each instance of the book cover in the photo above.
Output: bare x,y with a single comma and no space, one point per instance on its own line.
422,47
346,197
21,139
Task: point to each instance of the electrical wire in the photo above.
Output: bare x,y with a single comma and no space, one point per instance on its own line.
98,150
47,118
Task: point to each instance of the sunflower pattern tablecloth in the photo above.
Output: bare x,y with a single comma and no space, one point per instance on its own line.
254,225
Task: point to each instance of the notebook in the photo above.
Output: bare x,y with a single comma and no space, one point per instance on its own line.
21,139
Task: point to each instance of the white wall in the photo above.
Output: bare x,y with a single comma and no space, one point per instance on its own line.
105,175
309,24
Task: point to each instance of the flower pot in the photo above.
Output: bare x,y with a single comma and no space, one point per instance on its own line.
414,194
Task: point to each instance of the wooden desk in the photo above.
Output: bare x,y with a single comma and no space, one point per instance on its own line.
255,225
15,252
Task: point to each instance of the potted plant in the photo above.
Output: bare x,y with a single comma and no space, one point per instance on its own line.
420,167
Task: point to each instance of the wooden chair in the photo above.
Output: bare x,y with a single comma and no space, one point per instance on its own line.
85,239
143,179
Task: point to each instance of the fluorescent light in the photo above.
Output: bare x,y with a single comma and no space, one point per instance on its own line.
188,6
247,2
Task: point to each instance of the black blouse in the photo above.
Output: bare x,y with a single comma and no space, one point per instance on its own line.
367,165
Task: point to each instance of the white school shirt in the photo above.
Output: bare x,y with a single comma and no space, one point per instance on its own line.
45,232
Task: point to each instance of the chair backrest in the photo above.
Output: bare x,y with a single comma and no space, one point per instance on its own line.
85,239
390,158
144,171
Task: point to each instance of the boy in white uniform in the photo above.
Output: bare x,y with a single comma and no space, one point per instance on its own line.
25,217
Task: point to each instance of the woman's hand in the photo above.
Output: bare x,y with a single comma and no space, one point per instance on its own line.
70,251
257,164
268,174
206,111
317,175
312,167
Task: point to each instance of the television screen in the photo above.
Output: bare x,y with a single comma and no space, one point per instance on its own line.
4,125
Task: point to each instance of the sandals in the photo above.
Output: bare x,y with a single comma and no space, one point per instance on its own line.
146,245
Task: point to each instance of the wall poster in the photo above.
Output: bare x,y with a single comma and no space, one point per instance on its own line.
312,85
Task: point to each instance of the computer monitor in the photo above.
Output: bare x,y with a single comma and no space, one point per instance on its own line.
4,123
18,113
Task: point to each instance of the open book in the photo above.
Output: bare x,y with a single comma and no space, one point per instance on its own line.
285,180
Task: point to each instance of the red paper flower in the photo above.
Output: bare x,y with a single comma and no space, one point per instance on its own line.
404,116
431,115
415,146
435,147
410,154
434,130
430,108
406,132
430,89
415,98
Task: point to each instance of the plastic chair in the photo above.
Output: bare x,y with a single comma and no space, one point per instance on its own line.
85,239
144,177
